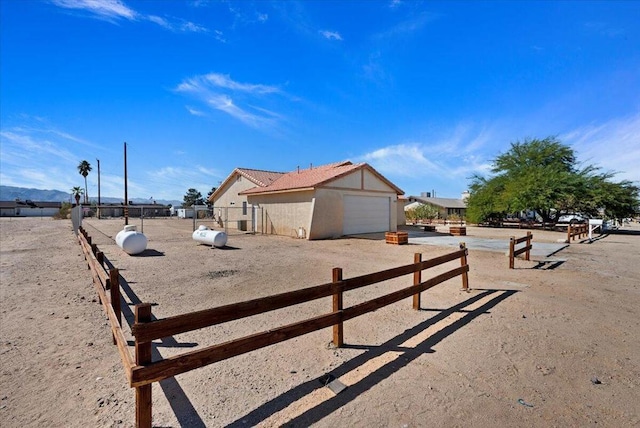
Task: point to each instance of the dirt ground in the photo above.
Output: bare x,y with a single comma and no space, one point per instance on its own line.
537,346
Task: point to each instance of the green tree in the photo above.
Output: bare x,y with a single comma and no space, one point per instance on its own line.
543,176
192,197
484,203
411,216
77,192
426,212
208,201
63,212
616,200
84,168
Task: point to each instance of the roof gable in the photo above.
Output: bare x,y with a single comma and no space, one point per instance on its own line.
315,177
258,177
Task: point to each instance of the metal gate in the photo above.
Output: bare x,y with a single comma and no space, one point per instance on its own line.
235,220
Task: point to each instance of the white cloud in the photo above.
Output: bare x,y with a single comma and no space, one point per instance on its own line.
111,10
443,162
225,103
194,111
178,26
40,158
219,92
190,27
18,147
331,35
219,36
396,158
160,21
412,25
224,81
172,180
39,155
107,9
613,145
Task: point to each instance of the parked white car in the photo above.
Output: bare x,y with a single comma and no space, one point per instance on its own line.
572,218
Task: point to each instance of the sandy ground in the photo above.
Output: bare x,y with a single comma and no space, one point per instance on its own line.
537,346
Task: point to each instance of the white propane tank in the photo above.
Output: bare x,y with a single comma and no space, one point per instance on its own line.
204,235
131,241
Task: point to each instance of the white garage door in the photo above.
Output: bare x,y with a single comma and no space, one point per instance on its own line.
364,214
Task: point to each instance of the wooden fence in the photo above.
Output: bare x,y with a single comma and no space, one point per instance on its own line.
142,371
526,249
107,285
578,230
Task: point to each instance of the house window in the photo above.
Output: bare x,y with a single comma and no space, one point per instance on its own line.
244,207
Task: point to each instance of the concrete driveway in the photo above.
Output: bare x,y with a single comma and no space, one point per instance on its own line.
539,250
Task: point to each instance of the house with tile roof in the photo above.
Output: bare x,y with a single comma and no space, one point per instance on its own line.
446,206
233,208
320,202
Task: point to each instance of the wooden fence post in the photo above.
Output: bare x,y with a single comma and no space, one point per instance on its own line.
527,253
512,247
94,248
114,284
463,262
143,357
338,332
417,279
569,234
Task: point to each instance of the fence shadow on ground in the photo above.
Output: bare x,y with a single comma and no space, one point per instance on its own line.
623,232
549,265
187,415
182,407
327,407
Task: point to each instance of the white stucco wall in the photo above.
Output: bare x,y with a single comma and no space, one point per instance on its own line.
284,213
229,196
328,210
326,218
320,212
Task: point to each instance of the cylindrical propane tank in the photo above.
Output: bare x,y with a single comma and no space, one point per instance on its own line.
131,241
204,235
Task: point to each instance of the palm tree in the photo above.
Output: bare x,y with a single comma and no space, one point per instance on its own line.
77,192
83,168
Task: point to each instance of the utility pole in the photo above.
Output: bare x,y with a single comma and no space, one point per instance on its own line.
126,197
98,160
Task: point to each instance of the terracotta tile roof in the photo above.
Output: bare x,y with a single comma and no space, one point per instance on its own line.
259,177
313,177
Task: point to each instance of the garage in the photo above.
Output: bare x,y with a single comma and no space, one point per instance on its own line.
365,214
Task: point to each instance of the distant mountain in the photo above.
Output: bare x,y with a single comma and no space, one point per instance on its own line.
10,193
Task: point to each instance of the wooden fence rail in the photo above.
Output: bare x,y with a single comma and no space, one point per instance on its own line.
142,371
513,253
145,330
104,280
578,230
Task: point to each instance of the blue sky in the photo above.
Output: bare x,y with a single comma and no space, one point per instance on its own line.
426,92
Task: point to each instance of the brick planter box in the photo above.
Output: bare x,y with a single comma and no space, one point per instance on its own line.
397,238
458,230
